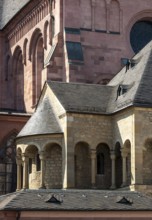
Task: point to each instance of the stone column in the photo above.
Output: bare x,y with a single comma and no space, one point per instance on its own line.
93,168
19,167
124,168
113,170
25,171
42,158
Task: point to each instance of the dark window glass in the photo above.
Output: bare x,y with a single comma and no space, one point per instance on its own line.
30,165
100,163
74,50
140,35
38,163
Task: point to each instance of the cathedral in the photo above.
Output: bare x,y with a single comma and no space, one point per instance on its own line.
75,98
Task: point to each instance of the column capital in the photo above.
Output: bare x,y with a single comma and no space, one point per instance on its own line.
18,160
112,156
42,155
24,158
124,152
93,153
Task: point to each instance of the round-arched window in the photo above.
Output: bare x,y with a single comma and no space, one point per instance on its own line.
140,35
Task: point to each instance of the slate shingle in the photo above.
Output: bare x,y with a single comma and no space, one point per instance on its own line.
75,200
9,8
43,121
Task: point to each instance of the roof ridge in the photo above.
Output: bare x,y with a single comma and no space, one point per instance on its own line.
79,83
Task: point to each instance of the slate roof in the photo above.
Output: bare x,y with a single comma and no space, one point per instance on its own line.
8,9
75,200
43,121
84,98
138,79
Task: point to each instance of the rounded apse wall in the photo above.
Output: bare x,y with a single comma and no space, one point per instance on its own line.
140,35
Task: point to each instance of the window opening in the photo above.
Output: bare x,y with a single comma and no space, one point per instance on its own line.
38,163
100,163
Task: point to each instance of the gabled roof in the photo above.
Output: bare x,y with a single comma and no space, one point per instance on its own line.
9,8
78,200
43,121
84,98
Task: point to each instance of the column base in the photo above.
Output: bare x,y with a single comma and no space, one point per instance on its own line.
113,187
123,185
93,186
141,188
18,190
42,187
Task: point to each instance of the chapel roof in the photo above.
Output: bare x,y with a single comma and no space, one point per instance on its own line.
8,9
75,200
43,121
83,98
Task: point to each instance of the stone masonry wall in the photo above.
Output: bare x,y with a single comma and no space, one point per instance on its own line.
53,170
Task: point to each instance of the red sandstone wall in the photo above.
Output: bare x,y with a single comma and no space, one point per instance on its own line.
105,34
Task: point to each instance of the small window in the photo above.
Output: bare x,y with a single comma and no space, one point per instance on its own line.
38,163
74,50
100,163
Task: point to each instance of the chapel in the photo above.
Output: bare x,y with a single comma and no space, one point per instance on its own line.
64,96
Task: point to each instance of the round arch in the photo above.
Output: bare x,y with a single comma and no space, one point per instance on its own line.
36,55
35,36
18,79
103,163
141,16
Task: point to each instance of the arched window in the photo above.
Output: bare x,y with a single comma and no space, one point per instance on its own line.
18,75
8,169
100,163
36,55
140,35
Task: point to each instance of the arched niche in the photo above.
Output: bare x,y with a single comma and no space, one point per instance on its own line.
103,177
82,165
18,80
114,23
